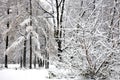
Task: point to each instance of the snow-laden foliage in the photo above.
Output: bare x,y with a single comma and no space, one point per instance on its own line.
90,39
25,22
80,37
15,45
25,35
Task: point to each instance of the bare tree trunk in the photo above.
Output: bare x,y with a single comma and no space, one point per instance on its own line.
7,40
58,32
39,62
21,62
43,63
46,60
94,4
30,52
30,35
24,55
58,27
57,9
6,66
61,18
35,61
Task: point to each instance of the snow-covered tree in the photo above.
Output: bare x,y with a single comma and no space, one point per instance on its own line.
79,37
30,28
90,38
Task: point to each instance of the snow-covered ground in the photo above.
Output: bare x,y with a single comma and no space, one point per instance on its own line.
15,73
33,74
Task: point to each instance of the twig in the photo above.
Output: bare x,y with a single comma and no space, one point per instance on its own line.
45,11
102,64
60,3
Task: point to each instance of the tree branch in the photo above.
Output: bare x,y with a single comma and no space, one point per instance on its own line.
45,11
102,63
60,3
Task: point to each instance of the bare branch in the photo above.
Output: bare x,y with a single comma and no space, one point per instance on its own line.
60,3
45,11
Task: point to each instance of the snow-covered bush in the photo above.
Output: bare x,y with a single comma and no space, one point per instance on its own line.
91,37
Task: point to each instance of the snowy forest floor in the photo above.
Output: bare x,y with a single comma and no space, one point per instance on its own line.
12,74
15,73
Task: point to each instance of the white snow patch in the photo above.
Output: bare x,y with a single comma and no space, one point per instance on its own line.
15,73
33,74
25,22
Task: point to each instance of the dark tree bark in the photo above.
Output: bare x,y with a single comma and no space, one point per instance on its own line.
6,66
58,32
21,62
39,62
43,63
47,60
35,61
61,18
24,55
30,52
57,9
7,41
30,35
58,26
94,4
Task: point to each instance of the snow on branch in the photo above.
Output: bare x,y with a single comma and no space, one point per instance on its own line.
35,38
25,22
15,45
29,28
37,53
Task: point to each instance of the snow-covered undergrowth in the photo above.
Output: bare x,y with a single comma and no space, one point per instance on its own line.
61,70
77,70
